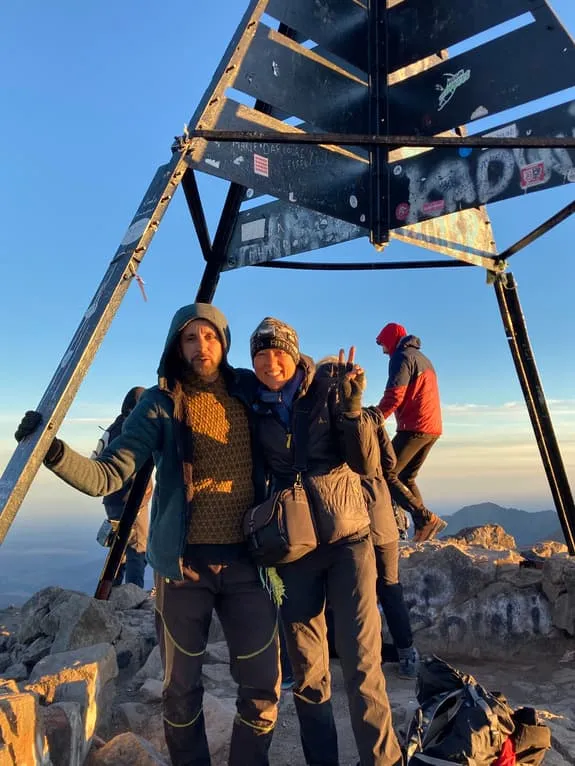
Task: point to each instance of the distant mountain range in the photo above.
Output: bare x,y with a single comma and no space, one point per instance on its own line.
526,527
67,555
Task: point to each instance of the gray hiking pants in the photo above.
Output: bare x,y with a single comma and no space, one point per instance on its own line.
344,574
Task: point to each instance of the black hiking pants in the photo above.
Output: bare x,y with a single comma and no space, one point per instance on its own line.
411,449
345,574
390,594
249,621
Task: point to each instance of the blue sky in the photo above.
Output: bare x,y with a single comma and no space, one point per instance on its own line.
92,95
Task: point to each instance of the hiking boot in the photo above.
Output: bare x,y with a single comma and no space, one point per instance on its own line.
432,527
408,663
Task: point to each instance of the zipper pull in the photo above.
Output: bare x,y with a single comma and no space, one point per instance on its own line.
288,441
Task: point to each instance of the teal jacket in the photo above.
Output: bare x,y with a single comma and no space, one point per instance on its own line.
157,427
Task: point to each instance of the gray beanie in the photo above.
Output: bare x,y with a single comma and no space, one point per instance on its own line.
272,333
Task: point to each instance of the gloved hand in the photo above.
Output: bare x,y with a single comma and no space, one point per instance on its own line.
351,382
28,425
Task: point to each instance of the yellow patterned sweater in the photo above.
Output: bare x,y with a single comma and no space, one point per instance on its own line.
222,463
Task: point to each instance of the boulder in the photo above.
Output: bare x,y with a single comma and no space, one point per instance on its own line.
16,672
34,611
151,690
152,667
144,721
84,676
83,621
127,749
491,536
128,596
22,739
5,661
65,733
38,649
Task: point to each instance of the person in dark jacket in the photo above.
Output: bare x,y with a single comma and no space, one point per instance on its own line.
195,423
385,538
134,566
340,445
412,394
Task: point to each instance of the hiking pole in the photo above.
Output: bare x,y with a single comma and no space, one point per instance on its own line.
122,534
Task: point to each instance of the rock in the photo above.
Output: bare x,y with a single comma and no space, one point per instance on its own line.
219,674
519,577
498,620
16,672
127,750
8,685
65,733
138,718
219,714
438,578
128,596
490,536
558,584
84,676
564,612
563,739
133,716
152,667
5,661
34,611
548,548
84,621
151,690
216,631
129,650
217,653
22,739
39,648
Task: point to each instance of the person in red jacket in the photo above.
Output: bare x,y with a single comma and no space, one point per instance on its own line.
412,394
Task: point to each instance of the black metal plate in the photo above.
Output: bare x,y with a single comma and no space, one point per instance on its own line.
291,78
419,28
338,25
278,229
312,176
524,65
447,180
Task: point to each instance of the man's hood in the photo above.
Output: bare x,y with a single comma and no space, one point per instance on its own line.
409,340
170,361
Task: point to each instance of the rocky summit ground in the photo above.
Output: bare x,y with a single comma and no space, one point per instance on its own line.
541,680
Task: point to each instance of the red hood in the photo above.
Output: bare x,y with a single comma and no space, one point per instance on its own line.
390,336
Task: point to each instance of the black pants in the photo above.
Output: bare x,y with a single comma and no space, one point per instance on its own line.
249,621
345,574
411,450
390,594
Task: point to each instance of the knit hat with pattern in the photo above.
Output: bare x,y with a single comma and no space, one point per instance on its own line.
272,333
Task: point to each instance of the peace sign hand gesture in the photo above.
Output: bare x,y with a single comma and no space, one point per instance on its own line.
351,382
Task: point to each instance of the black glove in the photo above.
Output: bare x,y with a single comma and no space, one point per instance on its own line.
28,425
350,392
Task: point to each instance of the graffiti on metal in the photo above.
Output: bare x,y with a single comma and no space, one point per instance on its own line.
446,181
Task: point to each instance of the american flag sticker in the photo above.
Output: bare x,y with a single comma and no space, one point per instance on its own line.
261,166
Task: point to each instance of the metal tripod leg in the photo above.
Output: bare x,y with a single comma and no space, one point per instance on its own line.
61,390
516,332
120,542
